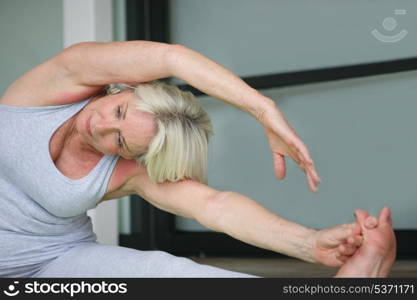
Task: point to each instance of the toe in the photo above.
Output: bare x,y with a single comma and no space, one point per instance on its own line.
371,222
385,216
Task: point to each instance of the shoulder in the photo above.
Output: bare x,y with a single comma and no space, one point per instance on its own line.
120,181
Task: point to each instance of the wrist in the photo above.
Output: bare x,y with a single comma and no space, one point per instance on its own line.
308,245
297,241
261,108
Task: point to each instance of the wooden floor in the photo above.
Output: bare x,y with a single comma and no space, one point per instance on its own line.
290,268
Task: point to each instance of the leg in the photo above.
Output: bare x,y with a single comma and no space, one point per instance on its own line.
377,253
97,260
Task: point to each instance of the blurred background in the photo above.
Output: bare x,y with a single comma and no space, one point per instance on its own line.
343,72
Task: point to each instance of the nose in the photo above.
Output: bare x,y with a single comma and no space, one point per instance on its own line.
105,126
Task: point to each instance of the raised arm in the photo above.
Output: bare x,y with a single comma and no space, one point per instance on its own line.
244,219
81,70
85,67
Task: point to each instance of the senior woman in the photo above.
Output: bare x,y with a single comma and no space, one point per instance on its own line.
65,146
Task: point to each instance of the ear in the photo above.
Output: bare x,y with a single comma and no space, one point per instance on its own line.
113,90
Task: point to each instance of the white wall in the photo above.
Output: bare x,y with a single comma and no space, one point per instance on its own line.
87,20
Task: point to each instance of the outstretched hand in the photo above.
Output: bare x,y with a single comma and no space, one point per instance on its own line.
284,141
332,246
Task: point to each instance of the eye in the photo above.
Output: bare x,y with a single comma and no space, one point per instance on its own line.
118,111
119,136
119,140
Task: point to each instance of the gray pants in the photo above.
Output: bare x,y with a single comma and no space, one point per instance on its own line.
97,260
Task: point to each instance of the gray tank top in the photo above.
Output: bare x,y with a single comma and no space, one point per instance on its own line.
42,212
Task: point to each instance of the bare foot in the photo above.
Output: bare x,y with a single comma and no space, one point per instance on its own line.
377,253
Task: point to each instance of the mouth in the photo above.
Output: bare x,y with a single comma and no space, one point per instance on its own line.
88,126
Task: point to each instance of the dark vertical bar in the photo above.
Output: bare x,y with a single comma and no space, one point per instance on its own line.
140,210
162,224
159,20
135,20
147,20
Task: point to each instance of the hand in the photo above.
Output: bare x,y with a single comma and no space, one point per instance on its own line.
332,246
283,141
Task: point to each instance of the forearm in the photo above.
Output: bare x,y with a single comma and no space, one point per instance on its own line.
98,64
244,219
216,81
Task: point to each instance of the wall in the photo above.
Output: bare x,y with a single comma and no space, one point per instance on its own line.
30,32
270,36
360,132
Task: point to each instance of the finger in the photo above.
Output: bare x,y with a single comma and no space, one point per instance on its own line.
342,258
343,232
355,240
279,165
297,150
312,177
311,183
294,156
305,157
309,165
385,216
371,222
346,249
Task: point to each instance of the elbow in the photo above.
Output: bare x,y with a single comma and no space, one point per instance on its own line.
74,50
177,47
79,45
174,58
212,215
71,55
78,50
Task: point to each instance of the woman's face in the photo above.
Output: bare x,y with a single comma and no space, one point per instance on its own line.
112,125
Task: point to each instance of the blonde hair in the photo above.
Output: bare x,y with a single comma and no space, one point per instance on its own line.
180,147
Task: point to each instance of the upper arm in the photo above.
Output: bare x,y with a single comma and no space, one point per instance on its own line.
185,198
49,83
99,64
84,68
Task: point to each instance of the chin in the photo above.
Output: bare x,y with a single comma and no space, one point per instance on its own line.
100,151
